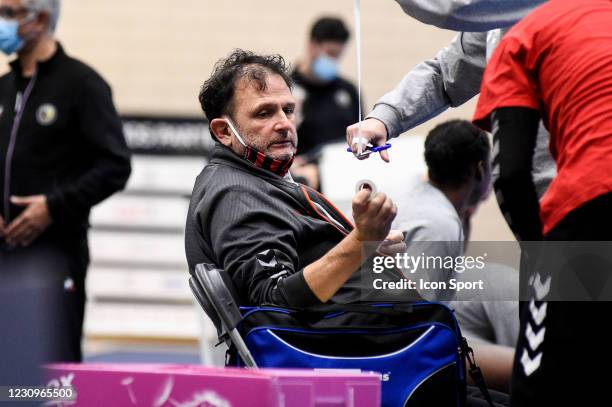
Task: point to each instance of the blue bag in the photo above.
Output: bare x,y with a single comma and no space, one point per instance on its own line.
417,347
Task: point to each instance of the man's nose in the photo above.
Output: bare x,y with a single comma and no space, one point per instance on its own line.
284,124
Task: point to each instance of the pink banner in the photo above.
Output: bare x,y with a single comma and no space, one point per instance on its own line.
197,386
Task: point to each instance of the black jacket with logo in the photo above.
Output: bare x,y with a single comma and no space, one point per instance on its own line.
67,144
263,230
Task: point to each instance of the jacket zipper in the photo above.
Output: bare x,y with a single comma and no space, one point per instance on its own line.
11,147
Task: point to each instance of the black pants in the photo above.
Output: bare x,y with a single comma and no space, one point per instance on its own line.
564,352
476,399
77,254
52,319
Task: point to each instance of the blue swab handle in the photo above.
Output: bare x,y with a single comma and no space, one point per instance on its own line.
374,149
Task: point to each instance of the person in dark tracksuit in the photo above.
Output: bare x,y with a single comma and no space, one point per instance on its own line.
62,151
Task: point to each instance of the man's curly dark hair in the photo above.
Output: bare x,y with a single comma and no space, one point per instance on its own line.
217,92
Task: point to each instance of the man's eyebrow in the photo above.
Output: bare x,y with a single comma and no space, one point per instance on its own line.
263,105
268,105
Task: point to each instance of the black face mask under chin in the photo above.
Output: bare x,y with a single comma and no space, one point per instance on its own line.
260,160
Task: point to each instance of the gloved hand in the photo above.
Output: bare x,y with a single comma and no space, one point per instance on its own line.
372,131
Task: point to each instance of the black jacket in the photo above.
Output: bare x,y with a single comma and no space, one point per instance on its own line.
69,144
263,230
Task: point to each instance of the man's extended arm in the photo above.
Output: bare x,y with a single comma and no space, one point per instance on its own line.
454,76
256,245
424,93
448,80
469,15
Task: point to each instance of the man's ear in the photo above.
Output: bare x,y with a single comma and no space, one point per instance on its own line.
480,170
43,21
221,131
312,50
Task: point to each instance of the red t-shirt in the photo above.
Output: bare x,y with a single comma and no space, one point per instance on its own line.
558,60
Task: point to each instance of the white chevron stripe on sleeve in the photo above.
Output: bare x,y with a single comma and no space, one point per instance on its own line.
538,314
530,365
279,274
271,263
535,340
541,289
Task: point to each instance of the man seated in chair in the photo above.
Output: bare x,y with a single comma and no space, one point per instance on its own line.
280,242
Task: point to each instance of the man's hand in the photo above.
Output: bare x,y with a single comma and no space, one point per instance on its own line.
373,219
32,221
373,215
2,226
393,244
372,131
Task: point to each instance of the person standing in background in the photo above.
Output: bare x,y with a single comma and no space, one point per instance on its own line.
62,151
330,102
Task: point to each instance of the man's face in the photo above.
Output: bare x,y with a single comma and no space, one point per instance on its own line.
265,119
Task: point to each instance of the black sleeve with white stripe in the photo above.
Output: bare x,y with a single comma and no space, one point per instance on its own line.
255,243
515,131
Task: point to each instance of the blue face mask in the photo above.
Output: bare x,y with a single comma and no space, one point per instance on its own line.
9,37
325,68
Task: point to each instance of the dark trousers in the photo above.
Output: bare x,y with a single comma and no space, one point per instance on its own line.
52,319
476,399
75,298
564,352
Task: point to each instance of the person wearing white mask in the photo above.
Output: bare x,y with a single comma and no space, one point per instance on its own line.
330,102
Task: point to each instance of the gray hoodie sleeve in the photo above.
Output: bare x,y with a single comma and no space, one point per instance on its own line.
450,79
469,15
